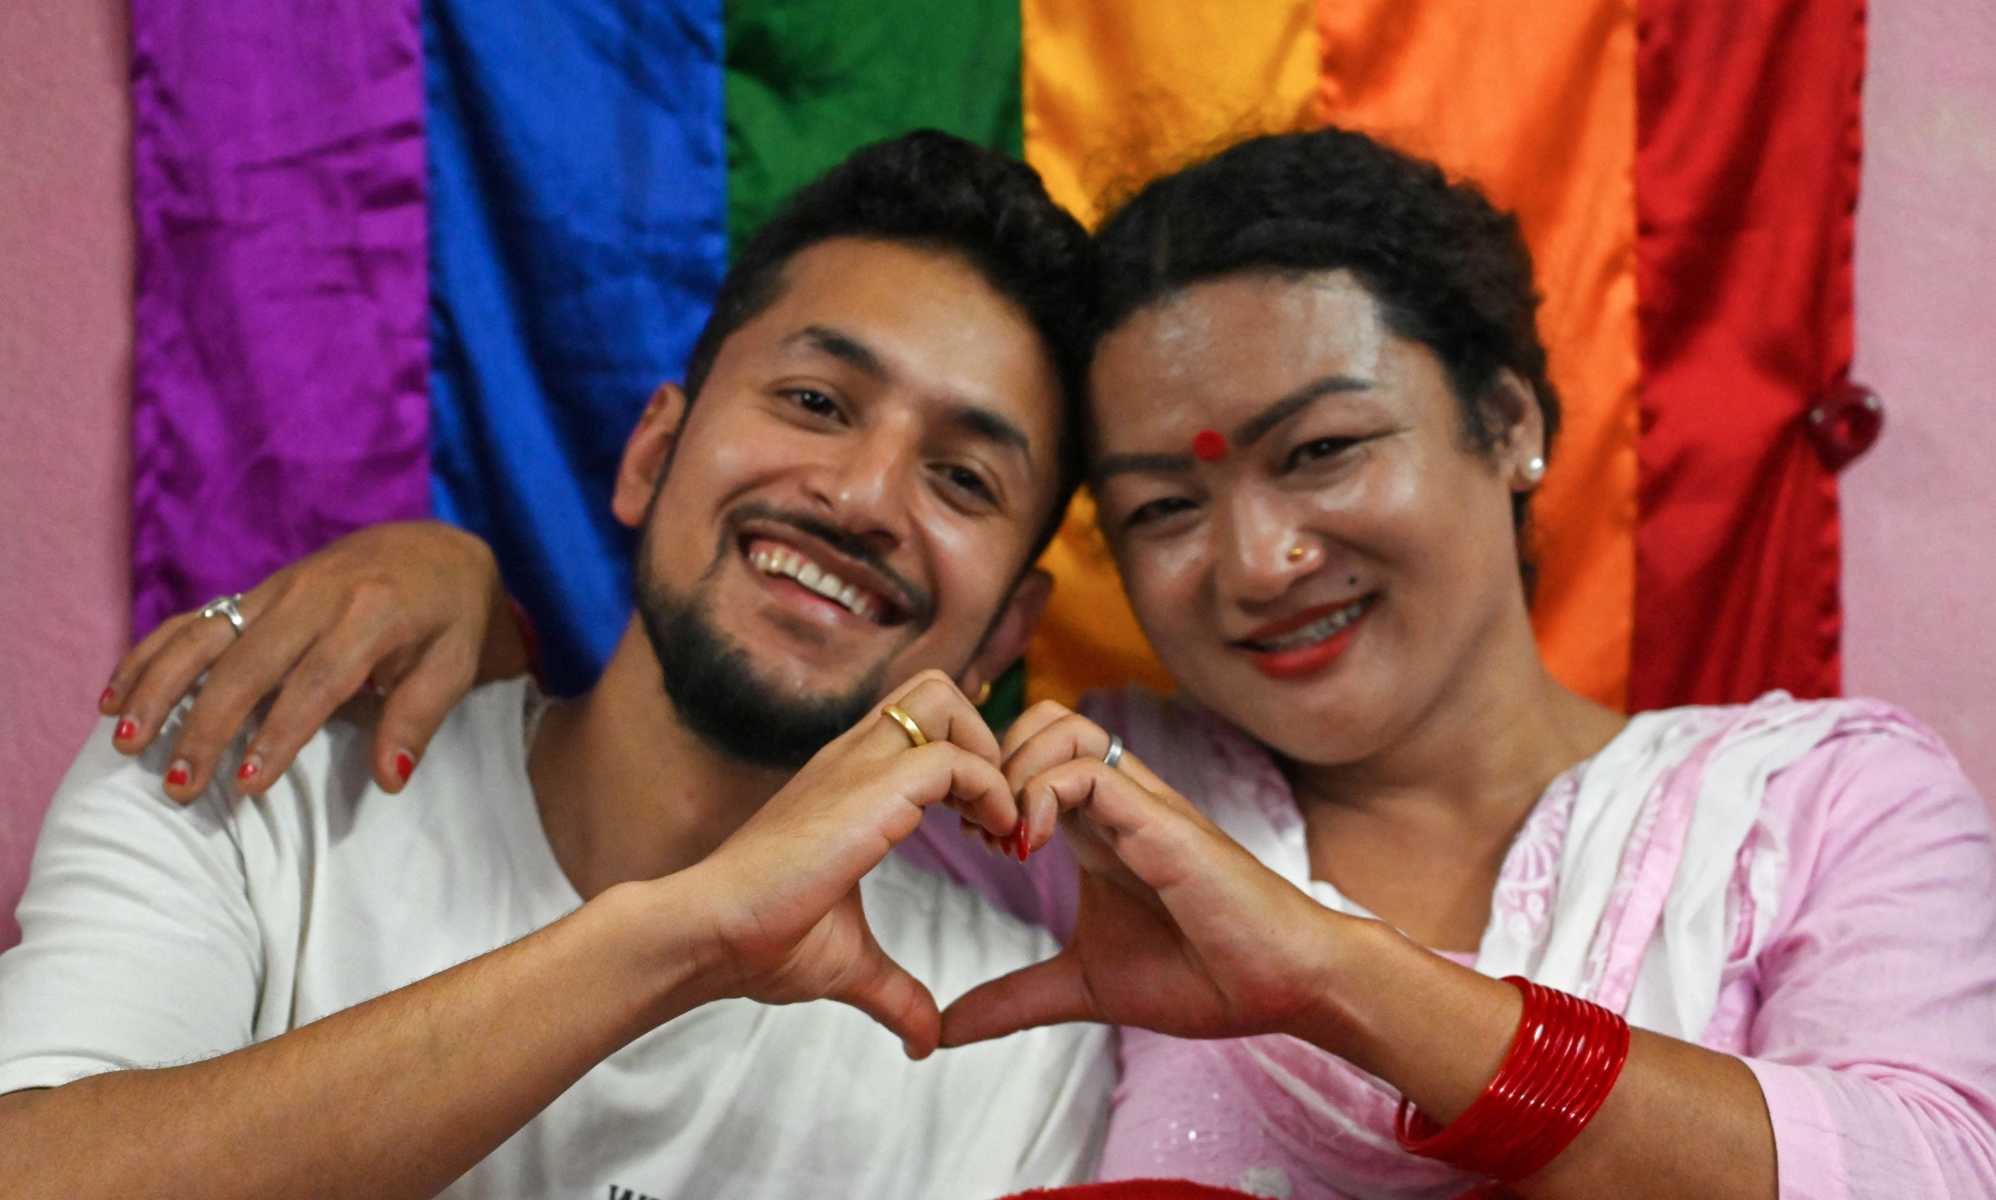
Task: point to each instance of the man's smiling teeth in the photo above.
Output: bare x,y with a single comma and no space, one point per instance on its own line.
1316,631
795,566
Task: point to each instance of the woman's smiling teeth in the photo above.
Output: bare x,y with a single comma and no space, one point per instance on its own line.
1315,631
792,565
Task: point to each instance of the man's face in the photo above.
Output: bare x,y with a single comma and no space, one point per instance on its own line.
851,499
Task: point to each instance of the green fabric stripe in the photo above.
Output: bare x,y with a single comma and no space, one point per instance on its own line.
808,81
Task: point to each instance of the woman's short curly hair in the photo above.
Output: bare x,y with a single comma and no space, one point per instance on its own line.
1447,268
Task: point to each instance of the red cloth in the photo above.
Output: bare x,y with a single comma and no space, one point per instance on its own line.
1135,1189
1746,188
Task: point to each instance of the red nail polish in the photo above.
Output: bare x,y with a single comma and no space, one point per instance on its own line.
1022,844
177,777
247,771
110,694
127,730
405,764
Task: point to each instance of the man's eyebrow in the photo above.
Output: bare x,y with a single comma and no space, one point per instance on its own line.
981,422
840,345
1252,430
975,419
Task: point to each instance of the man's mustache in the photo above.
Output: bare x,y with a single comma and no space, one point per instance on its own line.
914,601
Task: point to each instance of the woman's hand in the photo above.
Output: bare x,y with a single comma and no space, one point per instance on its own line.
410,607
1179,929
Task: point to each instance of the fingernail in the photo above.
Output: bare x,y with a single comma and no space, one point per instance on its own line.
105,700
1022,843
405,764
250,769
178,774
126,731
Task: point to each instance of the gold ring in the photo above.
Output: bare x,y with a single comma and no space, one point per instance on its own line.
907,723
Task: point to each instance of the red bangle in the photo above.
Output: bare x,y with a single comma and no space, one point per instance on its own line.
1563,1061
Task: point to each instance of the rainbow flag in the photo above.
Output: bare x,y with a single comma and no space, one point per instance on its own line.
402,260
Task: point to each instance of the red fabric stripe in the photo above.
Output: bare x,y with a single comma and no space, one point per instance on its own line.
1746,186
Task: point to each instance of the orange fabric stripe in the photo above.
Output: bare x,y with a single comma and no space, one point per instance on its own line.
1538,103
1115,94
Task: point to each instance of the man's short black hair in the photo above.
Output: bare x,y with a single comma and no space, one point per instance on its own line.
1447,268
936,191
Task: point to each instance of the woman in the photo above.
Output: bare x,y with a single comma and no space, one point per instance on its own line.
1319,407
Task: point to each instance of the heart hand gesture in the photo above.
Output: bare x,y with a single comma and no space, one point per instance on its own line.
1179,929
784,889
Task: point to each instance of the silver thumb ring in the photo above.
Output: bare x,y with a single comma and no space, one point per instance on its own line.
1114,754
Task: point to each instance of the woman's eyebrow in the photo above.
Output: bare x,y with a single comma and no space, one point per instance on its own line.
1246,433
1252,430
1124,464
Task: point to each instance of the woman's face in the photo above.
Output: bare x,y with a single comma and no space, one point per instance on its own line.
1348,561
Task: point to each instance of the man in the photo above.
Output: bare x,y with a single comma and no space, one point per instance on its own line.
533,972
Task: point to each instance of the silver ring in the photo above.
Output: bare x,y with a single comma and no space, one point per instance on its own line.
1114,754
225,606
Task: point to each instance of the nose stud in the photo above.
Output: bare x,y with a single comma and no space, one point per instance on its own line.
1296,553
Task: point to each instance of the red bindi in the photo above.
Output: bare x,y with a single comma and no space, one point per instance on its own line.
1209,445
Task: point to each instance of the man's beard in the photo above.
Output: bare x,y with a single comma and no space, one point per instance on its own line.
715,689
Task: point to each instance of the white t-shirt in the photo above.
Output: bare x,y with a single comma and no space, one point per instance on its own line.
154,935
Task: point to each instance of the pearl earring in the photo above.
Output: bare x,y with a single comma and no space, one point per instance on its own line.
1535,470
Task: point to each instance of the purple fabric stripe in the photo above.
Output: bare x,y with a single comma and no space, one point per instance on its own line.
281,361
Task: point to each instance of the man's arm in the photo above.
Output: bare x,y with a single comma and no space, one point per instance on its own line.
395,1097
402,1095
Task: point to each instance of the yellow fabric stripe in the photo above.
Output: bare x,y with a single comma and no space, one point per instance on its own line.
1114,94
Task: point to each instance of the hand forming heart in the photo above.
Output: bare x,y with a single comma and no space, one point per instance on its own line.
1179,928
784,889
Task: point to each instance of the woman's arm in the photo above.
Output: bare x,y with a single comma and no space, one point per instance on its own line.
415,607
1875,1039
1183,932
1681,1120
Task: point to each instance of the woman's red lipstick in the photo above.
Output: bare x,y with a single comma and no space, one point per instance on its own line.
1302,660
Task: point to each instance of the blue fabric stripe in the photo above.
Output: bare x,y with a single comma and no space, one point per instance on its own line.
578,232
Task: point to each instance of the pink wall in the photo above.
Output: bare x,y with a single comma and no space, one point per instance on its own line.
65,348
1920,511
1920,577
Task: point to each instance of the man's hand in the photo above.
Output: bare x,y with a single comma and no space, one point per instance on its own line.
1179,929
784,889
409,607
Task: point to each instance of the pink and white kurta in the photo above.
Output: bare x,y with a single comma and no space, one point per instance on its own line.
1810,886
